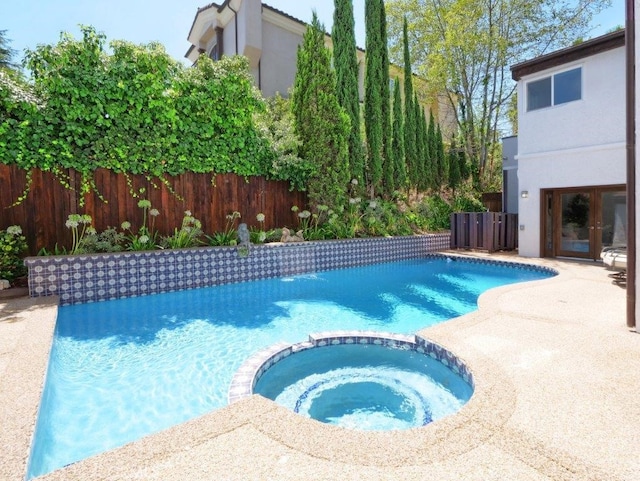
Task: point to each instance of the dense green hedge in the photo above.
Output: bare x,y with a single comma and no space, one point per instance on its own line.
134,110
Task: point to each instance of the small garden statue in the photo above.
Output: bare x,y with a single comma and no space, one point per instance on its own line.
243,238
288,237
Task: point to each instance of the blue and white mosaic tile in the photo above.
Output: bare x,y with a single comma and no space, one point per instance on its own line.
98,277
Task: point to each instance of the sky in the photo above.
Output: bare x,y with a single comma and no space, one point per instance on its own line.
32,22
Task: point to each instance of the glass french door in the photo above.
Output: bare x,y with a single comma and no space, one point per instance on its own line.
576,233
581,222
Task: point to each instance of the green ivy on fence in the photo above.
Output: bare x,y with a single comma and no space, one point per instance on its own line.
134,111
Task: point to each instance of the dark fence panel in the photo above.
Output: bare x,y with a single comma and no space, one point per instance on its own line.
42,215
492,201
490,231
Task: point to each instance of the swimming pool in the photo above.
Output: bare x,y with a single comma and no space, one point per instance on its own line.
123,369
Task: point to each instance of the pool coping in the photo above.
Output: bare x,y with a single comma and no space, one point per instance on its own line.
249,373
488,424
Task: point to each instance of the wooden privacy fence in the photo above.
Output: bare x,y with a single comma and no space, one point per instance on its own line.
491,231
42,215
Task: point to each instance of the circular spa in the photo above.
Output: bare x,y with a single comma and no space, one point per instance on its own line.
360,381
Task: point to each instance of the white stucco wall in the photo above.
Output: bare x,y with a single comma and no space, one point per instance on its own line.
250,31
580,143
279,57
229,39
510,192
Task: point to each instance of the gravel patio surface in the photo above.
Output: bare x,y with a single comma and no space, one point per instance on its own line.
556,398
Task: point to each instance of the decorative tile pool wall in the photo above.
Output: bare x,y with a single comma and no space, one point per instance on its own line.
246,377
97,277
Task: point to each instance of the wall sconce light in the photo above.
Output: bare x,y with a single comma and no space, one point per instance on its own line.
524,194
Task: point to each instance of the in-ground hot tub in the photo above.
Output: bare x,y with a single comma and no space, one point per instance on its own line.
359,380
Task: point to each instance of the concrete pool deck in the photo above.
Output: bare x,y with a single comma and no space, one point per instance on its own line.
556,373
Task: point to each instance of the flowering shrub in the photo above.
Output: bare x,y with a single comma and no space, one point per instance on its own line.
146,237
12,245
259,236
228,236
79,225
188,235
109,240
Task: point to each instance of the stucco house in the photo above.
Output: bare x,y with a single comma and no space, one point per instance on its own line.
269,38
571,150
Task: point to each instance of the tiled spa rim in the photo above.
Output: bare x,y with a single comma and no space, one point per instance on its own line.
250,372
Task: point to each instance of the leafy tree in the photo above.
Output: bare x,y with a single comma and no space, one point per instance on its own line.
397,139
410,144
373,100
463,165
465,49
346,67
6,52
320,122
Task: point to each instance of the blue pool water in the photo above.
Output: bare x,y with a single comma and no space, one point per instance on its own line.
366,387
120,370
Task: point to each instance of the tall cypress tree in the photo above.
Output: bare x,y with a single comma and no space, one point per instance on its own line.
443,163
433,147
6,52
454,167
320,122
389,165
372,94
346,67
409,114
421,148
397,139
385,94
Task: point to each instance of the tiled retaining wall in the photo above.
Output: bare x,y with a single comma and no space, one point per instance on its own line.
98,277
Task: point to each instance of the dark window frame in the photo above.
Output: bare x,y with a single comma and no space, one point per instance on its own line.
536,102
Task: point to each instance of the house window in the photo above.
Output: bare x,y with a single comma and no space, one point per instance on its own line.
214,54
216,51
539,94
567,86
557,89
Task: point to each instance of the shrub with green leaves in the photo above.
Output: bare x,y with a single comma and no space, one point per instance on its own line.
187,236
467,202
132,110
228,237
146,237
275,125
109,240
438,213
12,245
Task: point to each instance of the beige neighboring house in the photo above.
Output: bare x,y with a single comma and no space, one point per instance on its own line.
269,38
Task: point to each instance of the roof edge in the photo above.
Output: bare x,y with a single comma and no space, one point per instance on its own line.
202,9
575,52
